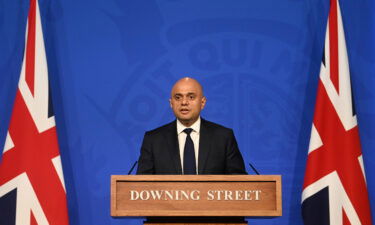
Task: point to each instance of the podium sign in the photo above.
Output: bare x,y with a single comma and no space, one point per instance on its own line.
196,195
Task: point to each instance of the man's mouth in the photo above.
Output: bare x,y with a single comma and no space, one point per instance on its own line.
184,111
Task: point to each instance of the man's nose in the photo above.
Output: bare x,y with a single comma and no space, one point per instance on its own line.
184,101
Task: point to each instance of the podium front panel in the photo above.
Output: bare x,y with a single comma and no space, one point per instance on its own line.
196,195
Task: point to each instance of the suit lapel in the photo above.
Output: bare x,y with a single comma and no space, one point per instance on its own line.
173,148
204,145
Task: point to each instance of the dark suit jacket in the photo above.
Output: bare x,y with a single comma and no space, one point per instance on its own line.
218,151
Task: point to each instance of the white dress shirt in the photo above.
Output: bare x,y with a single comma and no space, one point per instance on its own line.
182,139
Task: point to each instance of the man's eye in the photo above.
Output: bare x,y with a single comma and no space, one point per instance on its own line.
177,97
191,97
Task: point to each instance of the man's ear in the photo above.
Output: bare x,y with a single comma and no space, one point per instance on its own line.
203,104
170,103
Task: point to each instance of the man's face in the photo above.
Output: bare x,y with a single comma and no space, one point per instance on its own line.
187,101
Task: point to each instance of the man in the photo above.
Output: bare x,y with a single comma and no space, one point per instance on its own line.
190,144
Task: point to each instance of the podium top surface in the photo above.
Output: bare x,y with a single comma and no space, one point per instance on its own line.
207,178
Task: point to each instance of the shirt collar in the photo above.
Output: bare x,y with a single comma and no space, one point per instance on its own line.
196,126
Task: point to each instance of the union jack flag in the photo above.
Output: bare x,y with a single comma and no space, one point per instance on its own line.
32,189
334,189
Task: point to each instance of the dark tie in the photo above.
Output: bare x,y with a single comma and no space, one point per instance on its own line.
189,154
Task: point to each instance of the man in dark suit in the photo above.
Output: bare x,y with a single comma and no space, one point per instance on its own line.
190,144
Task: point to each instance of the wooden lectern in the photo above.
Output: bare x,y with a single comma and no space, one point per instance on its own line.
196,199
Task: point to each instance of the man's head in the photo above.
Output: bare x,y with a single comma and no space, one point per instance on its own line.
187,100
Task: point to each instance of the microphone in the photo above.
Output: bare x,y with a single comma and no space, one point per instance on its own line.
253,168
131,170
